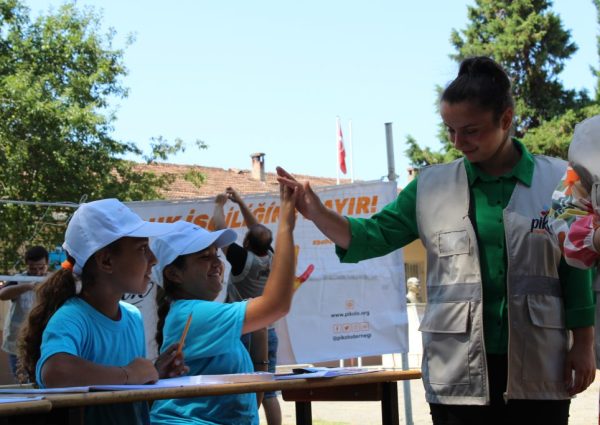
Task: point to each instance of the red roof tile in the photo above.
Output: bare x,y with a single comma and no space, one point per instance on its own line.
217,179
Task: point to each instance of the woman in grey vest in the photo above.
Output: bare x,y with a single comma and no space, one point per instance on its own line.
501,301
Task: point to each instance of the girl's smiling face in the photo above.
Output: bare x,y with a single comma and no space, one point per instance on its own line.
201,276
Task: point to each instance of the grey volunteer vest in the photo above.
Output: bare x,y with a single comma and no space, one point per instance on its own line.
454,363
250,283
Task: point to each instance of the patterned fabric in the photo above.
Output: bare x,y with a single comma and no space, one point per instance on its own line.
573,221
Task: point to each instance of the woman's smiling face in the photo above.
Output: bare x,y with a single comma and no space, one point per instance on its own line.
475,131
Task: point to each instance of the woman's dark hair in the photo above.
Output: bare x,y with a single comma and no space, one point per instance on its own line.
50,296
484,82
164,297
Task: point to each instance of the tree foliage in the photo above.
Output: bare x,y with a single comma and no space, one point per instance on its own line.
57,75
596,71
529,41
554,136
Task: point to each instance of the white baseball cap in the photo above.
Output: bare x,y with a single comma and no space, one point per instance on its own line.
185,238
98,224
584,151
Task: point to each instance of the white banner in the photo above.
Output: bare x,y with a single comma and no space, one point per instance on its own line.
342,310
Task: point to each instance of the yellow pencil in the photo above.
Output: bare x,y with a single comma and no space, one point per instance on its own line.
184,334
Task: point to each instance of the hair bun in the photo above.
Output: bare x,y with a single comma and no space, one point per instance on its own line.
482,67
483,81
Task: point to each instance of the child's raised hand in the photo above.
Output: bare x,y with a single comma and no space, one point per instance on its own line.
140,371
170,364
287,212
221,199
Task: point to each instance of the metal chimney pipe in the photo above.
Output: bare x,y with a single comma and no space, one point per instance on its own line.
389,140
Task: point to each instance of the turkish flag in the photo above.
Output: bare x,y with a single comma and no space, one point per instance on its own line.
341,150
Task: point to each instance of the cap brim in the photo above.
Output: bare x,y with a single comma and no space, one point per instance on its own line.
225,237
150,229
219,238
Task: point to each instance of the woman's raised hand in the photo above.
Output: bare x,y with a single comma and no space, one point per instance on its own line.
307,201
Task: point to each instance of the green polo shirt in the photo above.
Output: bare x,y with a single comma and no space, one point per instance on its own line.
396,225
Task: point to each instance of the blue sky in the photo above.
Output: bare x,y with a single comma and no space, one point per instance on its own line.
271,76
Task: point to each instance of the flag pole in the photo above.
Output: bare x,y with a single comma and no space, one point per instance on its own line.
337,155
351,151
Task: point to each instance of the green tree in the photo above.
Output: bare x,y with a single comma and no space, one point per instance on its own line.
552,137
528,39
596,71
57,76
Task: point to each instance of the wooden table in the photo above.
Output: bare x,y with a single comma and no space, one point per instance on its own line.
379,385
23,409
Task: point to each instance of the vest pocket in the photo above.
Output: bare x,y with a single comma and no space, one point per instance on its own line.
446,343
453,243
547,343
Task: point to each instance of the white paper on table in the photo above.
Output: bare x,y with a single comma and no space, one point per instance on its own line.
44,390
322,372
20,399
189,381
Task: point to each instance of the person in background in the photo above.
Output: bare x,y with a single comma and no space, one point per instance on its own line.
22,297
575,214
501,302
250,269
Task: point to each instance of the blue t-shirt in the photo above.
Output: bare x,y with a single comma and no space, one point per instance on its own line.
212,347
79,329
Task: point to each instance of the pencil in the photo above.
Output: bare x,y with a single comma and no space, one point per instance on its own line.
184,334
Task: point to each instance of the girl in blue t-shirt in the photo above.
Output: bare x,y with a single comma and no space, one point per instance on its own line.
191,275
79,333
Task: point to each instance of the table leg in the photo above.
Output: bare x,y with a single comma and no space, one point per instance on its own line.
303,413
389,404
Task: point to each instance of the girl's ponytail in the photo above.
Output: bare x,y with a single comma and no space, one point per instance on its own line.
164,297
51,295
163,303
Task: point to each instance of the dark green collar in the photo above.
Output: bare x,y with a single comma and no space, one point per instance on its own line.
523,171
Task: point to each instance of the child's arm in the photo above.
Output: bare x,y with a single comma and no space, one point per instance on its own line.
66,370
276,299
581,244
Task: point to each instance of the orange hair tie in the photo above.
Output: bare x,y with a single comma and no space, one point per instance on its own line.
67,265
